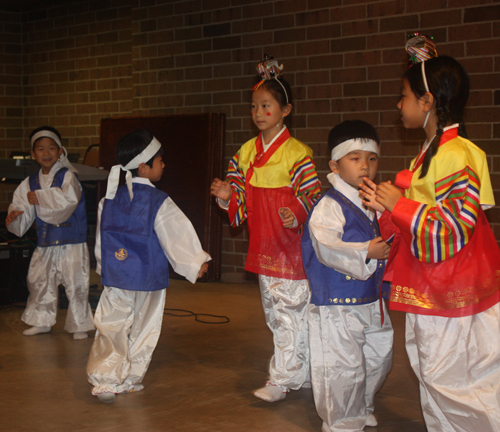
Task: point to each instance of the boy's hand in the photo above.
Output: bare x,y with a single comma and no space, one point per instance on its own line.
12,216
221,189
378,249
367,191
287,216
32,198
388,195
203,270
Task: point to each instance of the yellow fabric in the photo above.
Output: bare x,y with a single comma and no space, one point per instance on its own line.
451,157
276,171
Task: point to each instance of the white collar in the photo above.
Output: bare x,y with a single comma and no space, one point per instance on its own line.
348,191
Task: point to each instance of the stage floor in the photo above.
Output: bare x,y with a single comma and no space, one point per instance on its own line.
200,379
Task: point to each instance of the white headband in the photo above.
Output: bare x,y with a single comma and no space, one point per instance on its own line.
64,157
114,175
354,144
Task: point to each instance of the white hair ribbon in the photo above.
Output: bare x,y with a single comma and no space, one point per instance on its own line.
348,146
114,175
63,159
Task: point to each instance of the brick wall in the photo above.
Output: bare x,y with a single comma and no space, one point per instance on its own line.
70,65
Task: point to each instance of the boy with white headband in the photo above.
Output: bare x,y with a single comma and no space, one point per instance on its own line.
140,231
53,198
350,335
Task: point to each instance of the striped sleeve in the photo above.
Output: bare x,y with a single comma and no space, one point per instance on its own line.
438,232
237,207
306,186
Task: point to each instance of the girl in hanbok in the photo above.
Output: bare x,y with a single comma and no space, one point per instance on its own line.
444,265
272,182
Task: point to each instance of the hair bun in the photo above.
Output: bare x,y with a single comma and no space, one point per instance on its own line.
420,48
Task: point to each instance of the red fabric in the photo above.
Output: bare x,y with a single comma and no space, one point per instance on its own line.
465,284
273,250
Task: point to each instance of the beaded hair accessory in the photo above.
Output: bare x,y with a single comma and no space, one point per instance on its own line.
420,48
269,69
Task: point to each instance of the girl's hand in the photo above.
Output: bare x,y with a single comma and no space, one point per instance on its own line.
203,270
287,216
32,198
367,191
378,249
388,195
221,189
12,216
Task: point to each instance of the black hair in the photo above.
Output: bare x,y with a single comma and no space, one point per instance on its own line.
449,85
42,128
351,129
133,144
277,91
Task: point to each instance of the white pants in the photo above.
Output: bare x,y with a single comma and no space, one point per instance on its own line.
457,361
351,355
50,266
285,304
128,327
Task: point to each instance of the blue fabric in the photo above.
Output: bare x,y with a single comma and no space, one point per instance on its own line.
330,287
71,231
132,257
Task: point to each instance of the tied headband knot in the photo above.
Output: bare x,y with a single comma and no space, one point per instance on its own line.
351,145
269,69
63,159
114,175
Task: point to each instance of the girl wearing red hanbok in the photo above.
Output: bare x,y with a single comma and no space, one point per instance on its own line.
444,265
272,183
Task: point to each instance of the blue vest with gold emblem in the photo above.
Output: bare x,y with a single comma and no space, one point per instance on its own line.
330,287
132,257
71,231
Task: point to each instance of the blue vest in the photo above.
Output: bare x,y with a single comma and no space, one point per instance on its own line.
71,231
131,254
330,287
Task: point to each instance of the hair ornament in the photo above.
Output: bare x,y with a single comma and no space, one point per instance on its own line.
420,48
269,69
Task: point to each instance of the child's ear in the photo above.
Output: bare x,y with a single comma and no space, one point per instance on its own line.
61,151
334,166
427,102
143,169
286,110
32,154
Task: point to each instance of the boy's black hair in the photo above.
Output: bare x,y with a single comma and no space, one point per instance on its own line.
351,129
449,84
133,144
41,128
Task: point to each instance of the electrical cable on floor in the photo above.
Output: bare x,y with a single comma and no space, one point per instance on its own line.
196,315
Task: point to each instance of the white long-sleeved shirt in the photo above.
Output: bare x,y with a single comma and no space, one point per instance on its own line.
56,204
176,234
326,227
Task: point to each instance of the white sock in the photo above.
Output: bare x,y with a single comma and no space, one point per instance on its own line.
36,330
80,335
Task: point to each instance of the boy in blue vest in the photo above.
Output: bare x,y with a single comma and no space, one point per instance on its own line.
53,198
140,231
350,332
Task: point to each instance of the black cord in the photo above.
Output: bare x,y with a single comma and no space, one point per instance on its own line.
196,315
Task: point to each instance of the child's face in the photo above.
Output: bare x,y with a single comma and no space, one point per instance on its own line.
46,152
266,111
411,108
355,165
156,172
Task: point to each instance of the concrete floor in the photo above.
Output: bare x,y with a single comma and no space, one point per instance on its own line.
200,379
